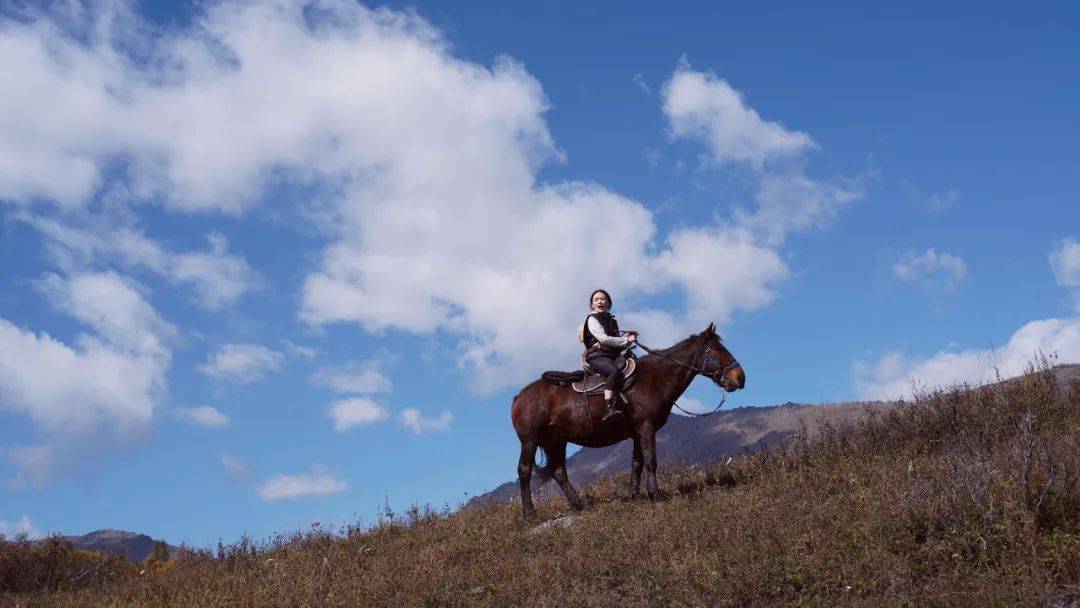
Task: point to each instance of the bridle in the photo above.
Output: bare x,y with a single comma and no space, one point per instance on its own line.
716,375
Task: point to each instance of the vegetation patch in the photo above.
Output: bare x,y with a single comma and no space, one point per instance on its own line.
960,497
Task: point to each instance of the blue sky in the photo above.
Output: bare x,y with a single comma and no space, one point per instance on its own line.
266,264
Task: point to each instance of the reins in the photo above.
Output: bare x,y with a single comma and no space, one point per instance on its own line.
697,370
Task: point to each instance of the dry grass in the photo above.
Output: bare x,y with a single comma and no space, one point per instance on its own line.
966,497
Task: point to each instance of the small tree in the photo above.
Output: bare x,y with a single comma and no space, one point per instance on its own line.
159,554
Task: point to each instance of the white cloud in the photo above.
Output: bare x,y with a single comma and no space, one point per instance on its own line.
203,415
411,140
941,202
1065,262
113,307
318,482
36,463
19,527
235,468
419,424
936,202
219,278
746,281
99,393
242,363
362,377
789,201
639,80
354,412
471,264
661,326
298,350
204,125
701,106
929,267
894,374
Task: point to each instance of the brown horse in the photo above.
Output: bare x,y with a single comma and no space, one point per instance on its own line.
548,416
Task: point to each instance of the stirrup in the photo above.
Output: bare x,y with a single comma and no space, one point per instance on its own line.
609,408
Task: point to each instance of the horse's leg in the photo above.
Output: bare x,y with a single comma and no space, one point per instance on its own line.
635,470
647,437
525,467
557,454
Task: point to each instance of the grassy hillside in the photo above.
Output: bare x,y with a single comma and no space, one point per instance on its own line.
968,497
685,440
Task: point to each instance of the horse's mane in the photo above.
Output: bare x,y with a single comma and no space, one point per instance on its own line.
684,341
679,344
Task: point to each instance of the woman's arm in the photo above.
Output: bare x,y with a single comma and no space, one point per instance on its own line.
597,330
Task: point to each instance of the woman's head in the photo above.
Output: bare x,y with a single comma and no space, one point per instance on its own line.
600,301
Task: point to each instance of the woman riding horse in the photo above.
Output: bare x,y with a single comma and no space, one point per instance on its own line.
603,345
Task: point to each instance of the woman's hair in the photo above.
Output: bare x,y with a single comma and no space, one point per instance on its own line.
611,302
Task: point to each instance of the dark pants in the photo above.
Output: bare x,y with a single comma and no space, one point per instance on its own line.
605,366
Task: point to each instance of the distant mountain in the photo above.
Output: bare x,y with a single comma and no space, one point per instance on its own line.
135,547
685,440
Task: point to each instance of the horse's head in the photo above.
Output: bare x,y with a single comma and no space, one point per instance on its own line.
719,364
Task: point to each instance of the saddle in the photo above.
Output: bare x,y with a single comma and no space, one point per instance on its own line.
592,383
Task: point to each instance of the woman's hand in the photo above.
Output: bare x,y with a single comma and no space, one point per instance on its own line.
631,337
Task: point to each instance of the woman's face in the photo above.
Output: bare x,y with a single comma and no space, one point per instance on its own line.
600,302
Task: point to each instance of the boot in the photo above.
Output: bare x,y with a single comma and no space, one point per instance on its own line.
609,408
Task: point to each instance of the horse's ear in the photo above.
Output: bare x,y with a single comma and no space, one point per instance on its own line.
711,329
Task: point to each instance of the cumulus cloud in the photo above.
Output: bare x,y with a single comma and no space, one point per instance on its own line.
113,307
749,271
103,389
437,218
1065,262
203,415
319,482
471,264
218,277
789,201
242,363
894,375
362,377
419,424
355,411
701,106
931,267
19,527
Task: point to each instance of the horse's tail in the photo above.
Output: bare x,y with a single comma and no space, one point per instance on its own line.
544,473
